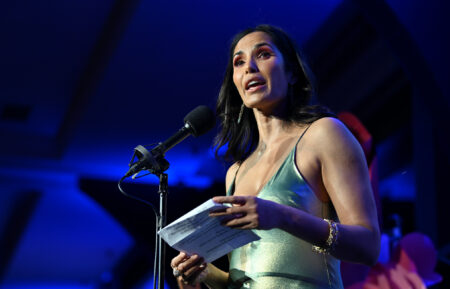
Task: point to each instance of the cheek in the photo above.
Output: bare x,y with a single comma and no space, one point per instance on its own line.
236,81
280,78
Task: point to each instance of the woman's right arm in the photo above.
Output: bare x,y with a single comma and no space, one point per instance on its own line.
216,278
193,267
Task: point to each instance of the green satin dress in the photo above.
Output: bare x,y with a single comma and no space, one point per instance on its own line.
279,259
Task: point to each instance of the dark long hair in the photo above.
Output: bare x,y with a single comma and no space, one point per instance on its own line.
242,138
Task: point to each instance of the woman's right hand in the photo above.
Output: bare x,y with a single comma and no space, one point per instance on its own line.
191,268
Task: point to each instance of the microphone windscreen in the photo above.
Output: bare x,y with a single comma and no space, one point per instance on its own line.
200,119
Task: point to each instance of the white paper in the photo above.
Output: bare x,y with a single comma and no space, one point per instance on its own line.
198,233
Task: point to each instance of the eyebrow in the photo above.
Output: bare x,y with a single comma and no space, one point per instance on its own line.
258,45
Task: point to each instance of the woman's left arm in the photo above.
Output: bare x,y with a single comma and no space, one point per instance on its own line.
343,173
346,180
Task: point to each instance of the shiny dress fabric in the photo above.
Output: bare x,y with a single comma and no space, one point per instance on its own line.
279,259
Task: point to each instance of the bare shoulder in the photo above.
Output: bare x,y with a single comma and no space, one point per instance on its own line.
331,135
328,127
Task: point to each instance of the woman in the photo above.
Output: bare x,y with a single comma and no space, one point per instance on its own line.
296,172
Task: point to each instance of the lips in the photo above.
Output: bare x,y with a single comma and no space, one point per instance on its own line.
254,83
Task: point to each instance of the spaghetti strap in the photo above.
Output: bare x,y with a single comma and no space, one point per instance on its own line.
235,174
233,184
303,133
230,190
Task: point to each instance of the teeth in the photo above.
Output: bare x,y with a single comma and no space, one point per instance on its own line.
252,83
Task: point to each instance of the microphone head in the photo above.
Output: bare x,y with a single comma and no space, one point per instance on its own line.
200,120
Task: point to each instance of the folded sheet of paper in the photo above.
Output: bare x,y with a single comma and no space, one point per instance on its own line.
198,233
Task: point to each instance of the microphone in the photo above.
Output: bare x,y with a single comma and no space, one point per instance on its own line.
197,122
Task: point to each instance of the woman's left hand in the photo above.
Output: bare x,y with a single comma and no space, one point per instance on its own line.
248,212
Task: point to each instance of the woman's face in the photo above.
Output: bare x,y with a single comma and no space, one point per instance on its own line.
258,72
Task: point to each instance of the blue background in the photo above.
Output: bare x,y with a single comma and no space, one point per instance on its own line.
83,82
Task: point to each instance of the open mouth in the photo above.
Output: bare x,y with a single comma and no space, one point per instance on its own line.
255,84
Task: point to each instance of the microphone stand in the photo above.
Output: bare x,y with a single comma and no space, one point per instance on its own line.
156,164
197,122
161,245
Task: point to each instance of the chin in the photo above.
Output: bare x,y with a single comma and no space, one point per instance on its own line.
264,104
256,100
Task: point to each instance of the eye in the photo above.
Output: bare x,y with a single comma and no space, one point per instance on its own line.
238,62
264,54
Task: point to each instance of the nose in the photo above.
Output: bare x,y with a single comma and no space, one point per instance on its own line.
251,66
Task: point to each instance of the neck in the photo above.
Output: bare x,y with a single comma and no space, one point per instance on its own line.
271,128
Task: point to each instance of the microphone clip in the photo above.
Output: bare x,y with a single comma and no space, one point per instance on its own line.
152,161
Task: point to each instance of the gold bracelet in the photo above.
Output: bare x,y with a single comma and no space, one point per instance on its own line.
331,242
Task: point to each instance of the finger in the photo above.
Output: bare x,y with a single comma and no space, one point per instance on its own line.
248,226
217,210
238,210
238,223
223,218
232,214
220,212
178,259
226,219
193,271
220,199
199,275
188,263
229,199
